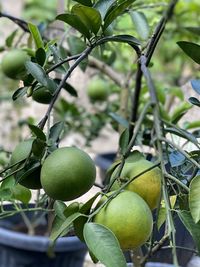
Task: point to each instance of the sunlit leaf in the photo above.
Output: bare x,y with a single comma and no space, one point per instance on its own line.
89,16
75,22
141,24
36,35
112,14
104,245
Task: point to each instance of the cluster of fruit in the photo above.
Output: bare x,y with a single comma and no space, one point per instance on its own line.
69,172
13,66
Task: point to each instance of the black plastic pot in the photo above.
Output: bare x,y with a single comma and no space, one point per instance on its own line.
22,250
183,238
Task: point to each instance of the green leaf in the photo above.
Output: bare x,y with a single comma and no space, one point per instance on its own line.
119,119
84,2
71,209
124,38
77,46
75,22
37,131
195,30
124,140
37,72
104,245
180,111
5,194
19,93
80,222
40,55
89,16
112,14
191,49
10,38
176,91
38,147
192,125
161,217
59,207
21,193
36,35
194,101
194,199
103,6
56,131
192,227
65,225
70,89
141,24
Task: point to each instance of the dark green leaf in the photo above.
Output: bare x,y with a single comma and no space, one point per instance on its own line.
36,35
56,131
84,2
80,222
192,227
10,38
124,140
194,200
37,72
38,147
89,16
112,14
194,101
19,93
75,22
30,168
141,24
119,119
21,193
37,131
191,49
195,30
104,245
103,6
40,55
70,89
71,209
129,39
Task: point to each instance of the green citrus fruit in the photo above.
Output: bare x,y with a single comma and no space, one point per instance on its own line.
13,64
128,217
30,179
97,90
42,95
67,173
147,185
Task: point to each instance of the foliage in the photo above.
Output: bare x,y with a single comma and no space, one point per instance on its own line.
118,41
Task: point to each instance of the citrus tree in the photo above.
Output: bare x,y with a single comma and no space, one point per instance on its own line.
130,48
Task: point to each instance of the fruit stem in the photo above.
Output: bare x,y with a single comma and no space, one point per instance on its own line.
136,256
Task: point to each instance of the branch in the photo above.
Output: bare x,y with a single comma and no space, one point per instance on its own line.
20,22
83,55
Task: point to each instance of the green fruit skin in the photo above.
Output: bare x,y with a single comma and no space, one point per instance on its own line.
42,95
97,90
121,215
67,173
13,64
21,152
